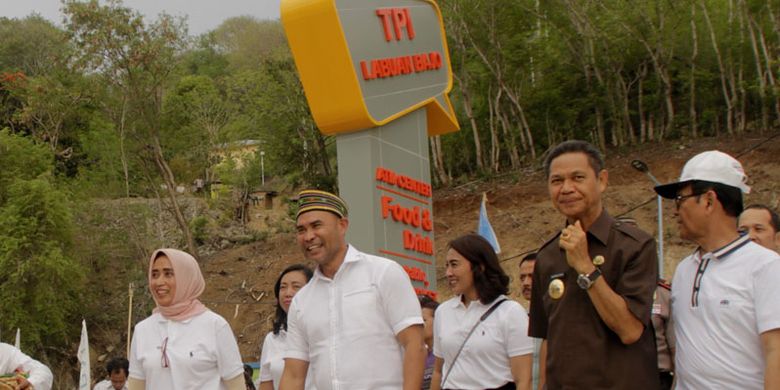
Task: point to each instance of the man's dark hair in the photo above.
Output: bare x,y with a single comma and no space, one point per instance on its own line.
116,364
729,197
490,280
427,302
529,257
595,159
774,219
280,317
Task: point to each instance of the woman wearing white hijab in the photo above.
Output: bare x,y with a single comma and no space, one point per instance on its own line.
182,345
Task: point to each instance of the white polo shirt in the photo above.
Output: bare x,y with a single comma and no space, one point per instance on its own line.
484,361
272,360
346,326
11,359
107,385
721,302
201,350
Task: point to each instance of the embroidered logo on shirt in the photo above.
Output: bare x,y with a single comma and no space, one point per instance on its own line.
724,302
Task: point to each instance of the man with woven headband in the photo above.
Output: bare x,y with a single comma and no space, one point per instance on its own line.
357,324
724,295
19,371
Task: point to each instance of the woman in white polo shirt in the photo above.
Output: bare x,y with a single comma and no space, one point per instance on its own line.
183,345
292,279
474,349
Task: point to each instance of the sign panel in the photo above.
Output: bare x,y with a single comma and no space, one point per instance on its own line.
384,176
371,61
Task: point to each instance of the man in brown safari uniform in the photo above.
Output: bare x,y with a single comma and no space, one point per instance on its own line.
593,284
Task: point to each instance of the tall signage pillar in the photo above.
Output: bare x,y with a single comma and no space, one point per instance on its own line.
376,75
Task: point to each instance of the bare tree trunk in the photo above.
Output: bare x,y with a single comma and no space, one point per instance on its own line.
438,161
694,126
723,76
464,91
495,69
494,146
770,72
514,155
122,155
323,152
643,136
170,183
760,75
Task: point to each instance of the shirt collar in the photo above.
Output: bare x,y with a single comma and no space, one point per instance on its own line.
600,227
725,250
163,320
351,256
459,302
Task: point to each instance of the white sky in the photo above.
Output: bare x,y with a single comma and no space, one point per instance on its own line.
202,15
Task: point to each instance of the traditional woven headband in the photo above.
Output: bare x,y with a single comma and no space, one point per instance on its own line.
309,200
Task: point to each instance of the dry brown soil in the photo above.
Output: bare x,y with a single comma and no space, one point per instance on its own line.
240,280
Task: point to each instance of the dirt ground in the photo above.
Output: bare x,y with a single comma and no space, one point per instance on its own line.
240,280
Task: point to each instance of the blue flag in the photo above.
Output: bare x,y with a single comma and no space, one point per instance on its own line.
484,229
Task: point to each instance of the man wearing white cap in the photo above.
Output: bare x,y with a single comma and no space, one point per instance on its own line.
724,295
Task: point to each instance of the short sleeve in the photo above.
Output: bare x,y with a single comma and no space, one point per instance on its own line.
437,319
265,363
399,301
515,329
766,289
638,282
40,375
229,361
297,346
136,366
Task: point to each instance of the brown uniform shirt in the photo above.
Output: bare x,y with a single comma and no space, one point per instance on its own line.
582,352
664,328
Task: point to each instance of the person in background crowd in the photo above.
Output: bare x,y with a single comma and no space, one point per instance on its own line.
593,285
661,318
183,344
357,323
24,371
428,306
762,224
292,279
480,339
117,369
724,295
526,266
664,333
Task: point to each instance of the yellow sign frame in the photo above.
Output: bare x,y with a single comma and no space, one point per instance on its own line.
324,61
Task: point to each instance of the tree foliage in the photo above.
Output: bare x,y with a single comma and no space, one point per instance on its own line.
40,283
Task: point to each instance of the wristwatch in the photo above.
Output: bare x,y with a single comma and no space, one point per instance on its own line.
585,281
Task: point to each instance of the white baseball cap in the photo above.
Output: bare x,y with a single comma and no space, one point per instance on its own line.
712,166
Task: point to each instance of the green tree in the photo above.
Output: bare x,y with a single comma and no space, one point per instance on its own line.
40,284
139,61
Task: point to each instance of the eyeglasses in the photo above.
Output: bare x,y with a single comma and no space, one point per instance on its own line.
165,362
680,198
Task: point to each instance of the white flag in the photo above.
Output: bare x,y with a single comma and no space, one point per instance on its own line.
18,342
83,356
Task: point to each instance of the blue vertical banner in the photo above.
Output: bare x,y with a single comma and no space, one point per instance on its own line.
484,229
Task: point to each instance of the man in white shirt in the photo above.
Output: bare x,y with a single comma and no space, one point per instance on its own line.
762,224
724,295
117,369
13,362
358,321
